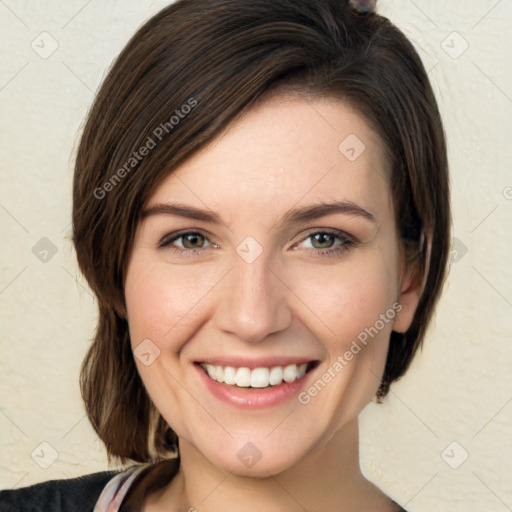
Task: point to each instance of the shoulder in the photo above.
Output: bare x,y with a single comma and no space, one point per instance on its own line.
74,494
149,480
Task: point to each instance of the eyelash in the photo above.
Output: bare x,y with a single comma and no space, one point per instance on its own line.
346,243
166,242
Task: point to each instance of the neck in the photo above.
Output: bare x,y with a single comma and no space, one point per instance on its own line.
327,479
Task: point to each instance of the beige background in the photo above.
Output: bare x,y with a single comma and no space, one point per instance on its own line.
460,388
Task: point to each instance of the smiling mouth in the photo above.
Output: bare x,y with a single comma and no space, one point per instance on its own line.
258,378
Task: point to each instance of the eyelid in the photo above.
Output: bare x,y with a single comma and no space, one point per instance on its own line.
166,242
343,235
167,239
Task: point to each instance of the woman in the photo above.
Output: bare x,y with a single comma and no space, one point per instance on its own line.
261,208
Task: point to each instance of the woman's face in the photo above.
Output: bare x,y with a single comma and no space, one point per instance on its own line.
275,246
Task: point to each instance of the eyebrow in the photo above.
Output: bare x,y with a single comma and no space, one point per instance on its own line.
182,210
316,211
293,216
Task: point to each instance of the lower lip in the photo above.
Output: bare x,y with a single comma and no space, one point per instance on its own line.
253,398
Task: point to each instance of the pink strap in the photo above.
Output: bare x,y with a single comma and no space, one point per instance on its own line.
114,492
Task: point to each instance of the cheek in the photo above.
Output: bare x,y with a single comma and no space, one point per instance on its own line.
354,301
350,298
158,300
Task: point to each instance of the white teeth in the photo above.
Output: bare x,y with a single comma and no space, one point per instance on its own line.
276,375
243,377
290,373
256,378
260,378
211,370
301,371
229,375
219,374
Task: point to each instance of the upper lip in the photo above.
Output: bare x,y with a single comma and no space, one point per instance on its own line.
262,362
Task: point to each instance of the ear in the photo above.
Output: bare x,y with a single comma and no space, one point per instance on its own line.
414,277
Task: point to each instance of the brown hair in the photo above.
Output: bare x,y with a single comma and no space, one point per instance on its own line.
186,74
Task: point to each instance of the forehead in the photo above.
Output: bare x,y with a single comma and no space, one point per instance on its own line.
286,151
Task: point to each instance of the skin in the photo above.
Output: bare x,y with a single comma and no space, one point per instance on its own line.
292,300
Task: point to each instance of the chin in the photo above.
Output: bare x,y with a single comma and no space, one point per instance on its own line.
263,464
258,454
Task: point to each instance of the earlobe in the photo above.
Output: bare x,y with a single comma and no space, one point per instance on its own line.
412,286
408,299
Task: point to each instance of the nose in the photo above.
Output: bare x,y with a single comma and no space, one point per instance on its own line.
253,302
